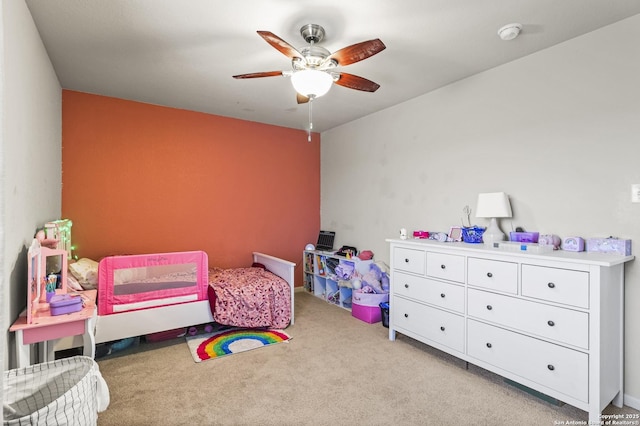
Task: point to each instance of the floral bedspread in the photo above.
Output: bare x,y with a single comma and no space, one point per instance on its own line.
250,297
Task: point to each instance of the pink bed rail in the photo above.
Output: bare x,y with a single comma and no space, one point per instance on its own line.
146,281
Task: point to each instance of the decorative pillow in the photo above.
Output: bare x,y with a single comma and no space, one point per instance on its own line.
86,272
73,284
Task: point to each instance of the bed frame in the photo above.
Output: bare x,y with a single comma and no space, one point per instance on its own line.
153,320
146,321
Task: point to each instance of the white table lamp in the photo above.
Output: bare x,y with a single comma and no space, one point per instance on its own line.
493,205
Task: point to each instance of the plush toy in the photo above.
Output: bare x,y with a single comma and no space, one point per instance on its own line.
44,241
356,283
550,240
375,280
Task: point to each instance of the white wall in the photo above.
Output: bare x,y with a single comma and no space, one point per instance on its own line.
2,305
31,155
559,131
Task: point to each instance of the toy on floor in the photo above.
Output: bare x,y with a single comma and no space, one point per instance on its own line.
194,330
104,349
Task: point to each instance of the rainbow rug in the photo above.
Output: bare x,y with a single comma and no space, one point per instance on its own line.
232,341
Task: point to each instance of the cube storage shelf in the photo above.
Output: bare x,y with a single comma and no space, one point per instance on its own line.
320,278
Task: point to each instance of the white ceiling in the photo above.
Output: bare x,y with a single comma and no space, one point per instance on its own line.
183,53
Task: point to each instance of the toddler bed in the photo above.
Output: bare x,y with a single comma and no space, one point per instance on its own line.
145,294
249,297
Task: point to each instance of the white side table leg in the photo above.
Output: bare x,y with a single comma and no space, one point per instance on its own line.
46,350
89,338
23,352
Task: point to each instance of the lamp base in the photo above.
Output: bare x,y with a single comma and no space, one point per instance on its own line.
492,235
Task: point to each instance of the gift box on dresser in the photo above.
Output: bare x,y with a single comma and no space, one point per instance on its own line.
366,306
609,245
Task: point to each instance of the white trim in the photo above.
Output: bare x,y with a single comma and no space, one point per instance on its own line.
153,303
632,402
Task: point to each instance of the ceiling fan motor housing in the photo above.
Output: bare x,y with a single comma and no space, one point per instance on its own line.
312,33
315,56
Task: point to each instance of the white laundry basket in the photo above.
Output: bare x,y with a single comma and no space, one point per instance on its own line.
68,391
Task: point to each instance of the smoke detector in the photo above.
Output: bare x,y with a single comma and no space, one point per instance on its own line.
510,31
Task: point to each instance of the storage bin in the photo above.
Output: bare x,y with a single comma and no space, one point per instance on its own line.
369,299
472,235
166,335
370,314
61,304
68,391
384,313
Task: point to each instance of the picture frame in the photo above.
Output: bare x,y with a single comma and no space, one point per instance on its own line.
455,233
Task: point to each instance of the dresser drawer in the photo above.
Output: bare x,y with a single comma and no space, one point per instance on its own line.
545,321
438,293
564,286
433,324
409,260
445,266
493,274
555,367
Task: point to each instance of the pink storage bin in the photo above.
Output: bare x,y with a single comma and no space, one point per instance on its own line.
369,299
370,314
166,335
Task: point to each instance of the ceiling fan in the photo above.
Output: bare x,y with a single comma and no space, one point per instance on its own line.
314,67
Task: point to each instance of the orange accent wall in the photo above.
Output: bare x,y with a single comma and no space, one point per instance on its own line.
140,178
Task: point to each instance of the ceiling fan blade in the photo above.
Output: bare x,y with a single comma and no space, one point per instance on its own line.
358,83
281,45
357,52
301,99
259,74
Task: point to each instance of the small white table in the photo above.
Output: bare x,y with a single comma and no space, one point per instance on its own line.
46,328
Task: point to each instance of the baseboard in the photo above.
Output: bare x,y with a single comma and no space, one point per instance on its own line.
632,402
629,401
298,289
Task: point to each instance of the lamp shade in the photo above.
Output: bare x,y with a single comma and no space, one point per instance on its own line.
493,204
311,83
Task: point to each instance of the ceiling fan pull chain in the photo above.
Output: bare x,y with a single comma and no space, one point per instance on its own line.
310,119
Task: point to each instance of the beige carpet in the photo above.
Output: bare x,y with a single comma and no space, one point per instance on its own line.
336,370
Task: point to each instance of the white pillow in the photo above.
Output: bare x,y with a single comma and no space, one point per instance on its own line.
86,272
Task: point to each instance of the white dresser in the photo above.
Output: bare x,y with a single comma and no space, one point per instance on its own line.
553,322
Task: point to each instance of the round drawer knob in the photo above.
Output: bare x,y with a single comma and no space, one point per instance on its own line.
489,274
489,345
489,307
441,328
406,286
442,295
443,267
551,285
551,367
406,315
406,260
551,323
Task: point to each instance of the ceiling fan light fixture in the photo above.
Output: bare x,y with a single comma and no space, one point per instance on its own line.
311,83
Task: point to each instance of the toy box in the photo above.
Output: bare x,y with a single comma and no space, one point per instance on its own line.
524,237
370,314
369,299
366,306
61,304
609,245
